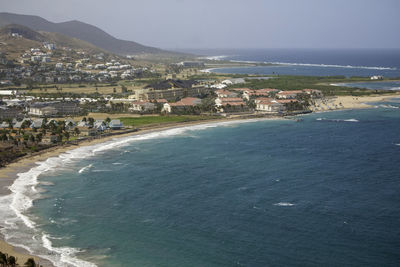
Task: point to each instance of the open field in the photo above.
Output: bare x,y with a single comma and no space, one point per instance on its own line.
150,120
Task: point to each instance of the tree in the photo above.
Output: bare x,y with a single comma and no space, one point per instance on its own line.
108,120
3,259
12,261
77,131
91,122
30,263
66,135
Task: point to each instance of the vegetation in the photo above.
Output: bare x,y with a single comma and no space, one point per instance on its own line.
11,261
151,120
321,83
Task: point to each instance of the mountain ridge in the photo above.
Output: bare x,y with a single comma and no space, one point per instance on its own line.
82,31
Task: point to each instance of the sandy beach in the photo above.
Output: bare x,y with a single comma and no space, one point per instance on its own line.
350,102
9,173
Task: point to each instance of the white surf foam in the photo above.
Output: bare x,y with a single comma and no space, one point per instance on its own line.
388,106
284,204
18,228
216,58
352,120
337,120
85,168
331,66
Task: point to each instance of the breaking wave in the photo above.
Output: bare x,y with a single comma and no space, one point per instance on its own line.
337,120
284,204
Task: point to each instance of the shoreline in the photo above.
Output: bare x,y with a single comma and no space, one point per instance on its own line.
9,173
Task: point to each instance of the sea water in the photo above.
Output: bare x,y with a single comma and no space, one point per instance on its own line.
311,62
315,190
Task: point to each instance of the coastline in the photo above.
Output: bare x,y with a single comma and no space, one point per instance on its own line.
351,102
9,173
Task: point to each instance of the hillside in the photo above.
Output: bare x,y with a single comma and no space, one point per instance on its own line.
30,38
82,31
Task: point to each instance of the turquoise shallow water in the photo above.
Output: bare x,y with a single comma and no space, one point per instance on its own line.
318,192
388,85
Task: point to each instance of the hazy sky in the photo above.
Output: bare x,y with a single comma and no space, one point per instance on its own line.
231,23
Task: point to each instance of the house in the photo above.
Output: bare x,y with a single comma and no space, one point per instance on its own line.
69,124
37,123
231,103
260,92
25,122
10,112
48,109
100,125
115,124
314,93
42,110
184,102
259,99
272,106
229,100
289,94
4,125
87,131
83,124
50,139
142,106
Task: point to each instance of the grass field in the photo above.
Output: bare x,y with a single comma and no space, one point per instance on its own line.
149,120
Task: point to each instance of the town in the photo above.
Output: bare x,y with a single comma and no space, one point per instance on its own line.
53,94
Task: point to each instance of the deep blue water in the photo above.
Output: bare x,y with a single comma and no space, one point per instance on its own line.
320,192
389,85
313,62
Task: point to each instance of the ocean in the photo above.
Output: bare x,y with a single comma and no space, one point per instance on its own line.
321,191
315,190
311,62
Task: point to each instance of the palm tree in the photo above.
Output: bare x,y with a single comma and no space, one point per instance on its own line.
66,135
12,261
30,263
91,122
3,259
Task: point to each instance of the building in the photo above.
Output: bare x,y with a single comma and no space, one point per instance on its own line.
183,103
314,93
48,109
141,106
115,125
7,112
100,125
289,94
271,106
50,139
257,93
37,123
87,131
229,104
